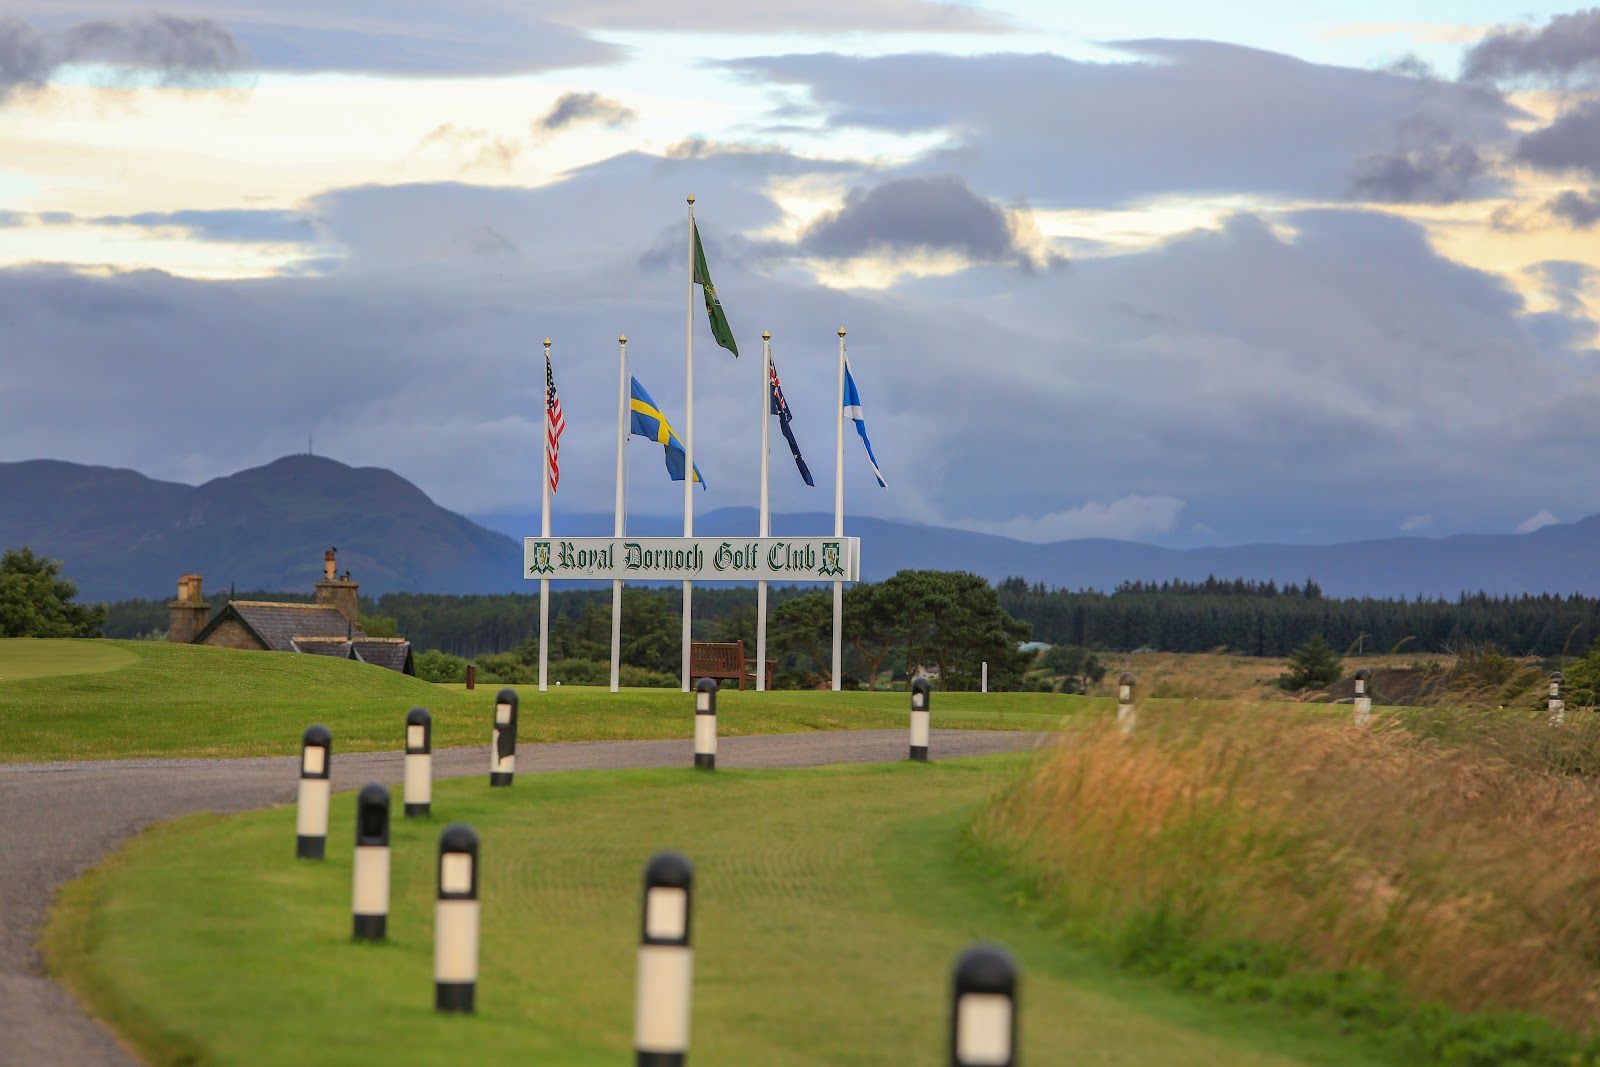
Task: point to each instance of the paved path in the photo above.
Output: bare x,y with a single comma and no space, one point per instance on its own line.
59,819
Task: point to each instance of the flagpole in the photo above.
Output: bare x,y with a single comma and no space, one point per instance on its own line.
688,437
765,523
544,531
617,521
838,516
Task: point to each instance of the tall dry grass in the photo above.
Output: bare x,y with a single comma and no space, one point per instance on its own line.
1464,867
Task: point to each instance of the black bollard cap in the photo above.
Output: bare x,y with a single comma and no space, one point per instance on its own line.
1127,678
458,862
372,815
921,690
1363,674
316,765
705,696
1557,676
984,970
419,717
668,889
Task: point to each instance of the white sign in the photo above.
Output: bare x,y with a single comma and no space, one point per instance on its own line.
699,559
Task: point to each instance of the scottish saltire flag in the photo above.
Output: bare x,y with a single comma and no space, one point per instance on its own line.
558,423
649,422
780,408
702,277
852,410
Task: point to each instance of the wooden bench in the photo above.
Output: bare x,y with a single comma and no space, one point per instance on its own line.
724,661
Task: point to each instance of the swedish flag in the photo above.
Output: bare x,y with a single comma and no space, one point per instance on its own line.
649,422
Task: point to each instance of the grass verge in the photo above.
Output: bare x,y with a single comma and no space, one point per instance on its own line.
188,700
829,906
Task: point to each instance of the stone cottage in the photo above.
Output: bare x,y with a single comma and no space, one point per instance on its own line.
329,627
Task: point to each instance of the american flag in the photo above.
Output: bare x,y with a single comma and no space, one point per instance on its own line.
558,424
780,408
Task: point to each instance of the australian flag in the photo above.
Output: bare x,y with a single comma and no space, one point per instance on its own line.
780,408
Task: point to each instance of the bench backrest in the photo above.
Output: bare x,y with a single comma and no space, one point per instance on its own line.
709,659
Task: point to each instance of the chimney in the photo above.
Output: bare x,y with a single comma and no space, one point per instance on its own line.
188,613
338,593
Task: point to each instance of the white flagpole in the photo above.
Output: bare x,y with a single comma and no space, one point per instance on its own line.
616,523
688,439
838,517
765,526
544,531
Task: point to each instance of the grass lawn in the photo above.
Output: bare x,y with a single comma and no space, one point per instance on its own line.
829,905
155,699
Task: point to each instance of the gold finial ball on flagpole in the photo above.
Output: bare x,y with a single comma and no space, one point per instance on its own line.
691,198
547,342
766,335
841,331
622,338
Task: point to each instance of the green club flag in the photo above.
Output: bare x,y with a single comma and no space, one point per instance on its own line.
702,277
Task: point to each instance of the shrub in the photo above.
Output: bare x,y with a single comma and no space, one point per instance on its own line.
1312,666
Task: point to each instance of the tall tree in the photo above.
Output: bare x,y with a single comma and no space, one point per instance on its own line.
35,601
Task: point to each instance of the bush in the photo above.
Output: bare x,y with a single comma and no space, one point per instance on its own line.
436,666
1312,666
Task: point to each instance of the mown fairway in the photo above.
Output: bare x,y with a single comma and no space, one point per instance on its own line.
154,699
829,905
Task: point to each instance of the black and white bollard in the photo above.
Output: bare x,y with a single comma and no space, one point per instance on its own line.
503,754
455,921
1556,704
369,890
1127,717
419,762
666,963
316,773
983,1008
705,724
1363,698
921,705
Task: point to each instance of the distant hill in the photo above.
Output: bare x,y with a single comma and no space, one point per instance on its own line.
124,535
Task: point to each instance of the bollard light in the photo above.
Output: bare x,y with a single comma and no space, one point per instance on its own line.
316,773
705,724
921,707
1363,698
1557,703
983,1008
369,891
419,762
1127,716
455,921
666,963
503,753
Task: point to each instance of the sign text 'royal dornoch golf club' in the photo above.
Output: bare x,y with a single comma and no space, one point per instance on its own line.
727,559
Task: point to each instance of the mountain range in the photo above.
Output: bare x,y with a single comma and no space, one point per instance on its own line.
121,534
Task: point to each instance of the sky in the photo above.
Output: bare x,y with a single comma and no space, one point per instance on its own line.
1162,272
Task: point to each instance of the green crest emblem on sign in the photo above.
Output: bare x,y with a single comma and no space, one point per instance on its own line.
541,559
832,560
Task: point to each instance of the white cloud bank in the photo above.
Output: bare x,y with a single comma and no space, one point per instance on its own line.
1538,520
1130,518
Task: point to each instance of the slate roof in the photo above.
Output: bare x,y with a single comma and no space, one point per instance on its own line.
276,624
391,652
323,646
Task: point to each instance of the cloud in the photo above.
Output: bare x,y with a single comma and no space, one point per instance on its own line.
1130,518
1567,45
938,213
572,108
1173,116
1581,210
241,225
1571,142
1415,522
393,37
780,16
1432,170
173,49
1538,520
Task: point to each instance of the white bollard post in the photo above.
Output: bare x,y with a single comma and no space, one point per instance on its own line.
419,762
983,1009
455,921
503,753
1127,714
1363,698
705,724
316,773
985,676
1557,704
666,963
369,890
921,707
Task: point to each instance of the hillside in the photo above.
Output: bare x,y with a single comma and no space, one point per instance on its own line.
124,535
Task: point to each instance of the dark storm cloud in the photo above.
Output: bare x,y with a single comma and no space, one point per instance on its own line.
572,108
941,213
399,37
1571,142
1581,210
176,50
1180,116
1567,45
